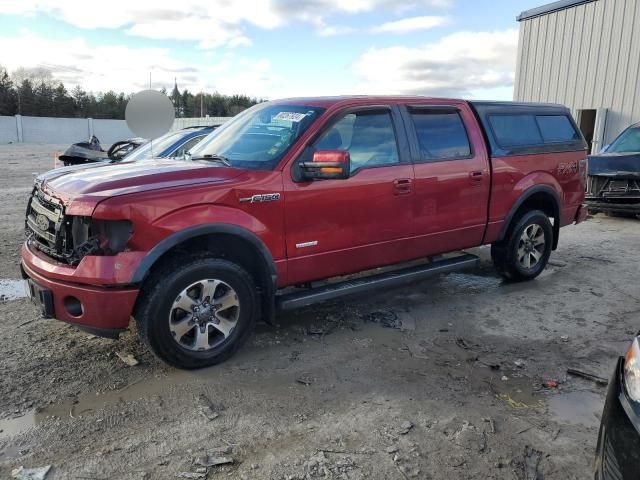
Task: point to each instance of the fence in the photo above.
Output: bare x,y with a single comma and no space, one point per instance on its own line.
21,129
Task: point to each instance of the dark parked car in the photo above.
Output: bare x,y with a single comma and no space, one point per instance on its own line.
618,451
172,145
614,176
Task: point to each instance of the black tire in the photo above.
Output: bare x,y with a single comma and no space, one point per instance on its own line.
158,297
505,254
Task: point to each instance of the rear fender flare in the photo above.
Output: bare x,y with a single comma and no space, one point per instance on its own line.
528,193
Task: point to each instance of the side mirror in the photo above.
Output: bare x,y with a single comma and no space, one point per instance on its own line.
327,164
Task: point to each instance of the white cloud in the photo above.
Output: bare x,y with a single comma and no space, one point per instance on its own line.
411,24
333,30
126,69
456,65
212,23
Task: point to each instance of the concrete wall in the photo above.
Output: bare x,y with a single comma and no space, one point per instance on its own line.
50,130
111,131
584,57
8,130
20,129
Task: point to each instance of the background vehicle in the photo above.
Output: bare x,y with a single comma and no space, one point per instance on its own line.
614,176
172,145
292,193
90,152
618,451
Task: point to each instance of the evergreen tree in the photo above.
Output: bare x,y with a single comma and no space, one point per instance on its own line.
26,98
80,101
35,92
43,100
188,104
176,99
63,105
8,95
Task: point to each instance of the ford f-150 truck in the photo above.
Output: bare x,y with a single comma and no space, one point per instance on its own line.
282,204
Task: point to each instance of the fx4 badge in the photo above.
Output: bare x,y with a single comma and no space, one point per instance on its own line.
262,197
568,168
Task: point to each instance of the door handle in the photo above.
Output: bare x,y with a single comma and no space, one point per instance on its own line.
402,186
475,178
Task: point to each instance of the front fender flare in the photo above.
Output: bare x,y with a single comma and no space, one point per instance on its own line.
199,230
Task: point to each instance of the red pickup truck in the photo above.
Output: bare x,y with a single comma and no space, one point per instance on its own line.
289,195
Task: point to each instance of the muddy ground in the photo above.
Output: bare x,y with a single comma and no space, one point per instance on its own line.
443,379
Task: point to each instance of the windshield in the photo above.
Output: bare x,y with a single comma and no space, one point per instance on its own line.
628,141
155,147
260,136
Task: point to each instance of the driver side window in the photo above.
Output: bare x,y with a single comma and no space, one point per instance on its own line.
368,136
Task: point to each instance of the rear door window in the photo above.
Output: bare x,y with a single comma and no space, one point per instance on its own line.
440,135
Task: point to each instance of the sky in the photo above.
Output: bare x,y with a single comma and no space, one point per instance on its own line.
270,48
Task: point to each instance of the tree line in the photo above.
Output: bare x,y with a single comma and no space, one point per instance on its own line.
35,92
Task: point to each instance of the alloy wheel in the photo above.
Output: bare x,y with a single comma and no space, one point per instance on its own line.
204,314
531,246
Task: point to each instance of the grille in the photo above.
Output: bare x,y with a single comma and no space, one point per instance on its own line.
619,186
595,185
46,225
610,469
605,187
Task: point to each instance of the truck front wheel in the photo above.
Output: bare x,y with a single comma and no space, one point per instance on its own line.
525,251
198,312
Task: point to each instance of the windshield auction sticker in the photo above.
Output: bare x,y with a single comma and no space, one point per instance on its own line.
290,116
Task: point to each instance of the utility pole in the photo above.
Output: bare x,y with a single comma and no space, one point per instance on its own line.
201,104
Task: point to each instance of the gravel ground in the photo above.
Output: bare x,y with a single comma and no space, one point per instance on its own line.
443,379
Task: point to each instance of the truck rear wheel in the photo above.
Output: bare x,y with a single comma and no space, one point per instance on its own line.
198,312
525,251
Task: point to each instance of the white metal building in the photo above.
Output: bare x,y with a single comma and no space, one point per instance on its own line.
584,54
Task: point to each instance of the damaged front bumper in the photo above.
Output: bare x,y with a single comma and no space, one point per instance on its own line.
94,296
618,450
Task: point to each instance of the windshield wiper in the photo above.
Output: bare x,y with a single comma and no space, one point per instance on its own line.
214,158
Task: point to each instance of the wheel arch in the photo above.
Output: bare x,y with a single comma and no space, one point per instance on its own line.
228,241
538,197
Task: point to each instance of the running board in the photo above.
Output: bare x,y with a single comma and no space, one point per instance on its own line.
297,299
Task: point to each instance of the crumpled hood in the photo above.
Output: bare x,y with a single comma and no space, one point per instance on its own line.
622,165
101,181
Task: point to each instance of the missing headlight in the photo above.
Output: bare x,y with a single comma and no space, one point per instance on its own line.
112,234
97,237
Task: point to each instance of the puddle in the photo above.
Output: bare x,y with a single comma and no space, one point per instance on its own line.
11,289
141,389
576,408
13,426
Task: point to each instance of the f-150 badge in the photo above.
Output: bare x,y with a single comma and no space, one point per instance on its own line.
262,197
